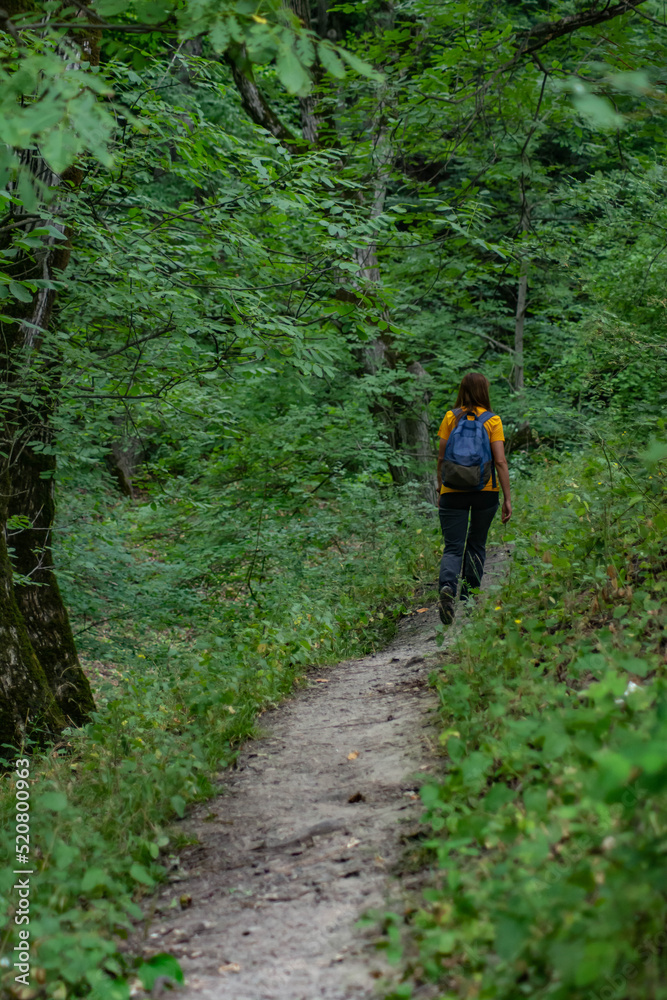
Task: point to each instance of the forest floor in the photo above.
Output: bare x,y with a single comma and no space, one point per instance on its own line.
309,833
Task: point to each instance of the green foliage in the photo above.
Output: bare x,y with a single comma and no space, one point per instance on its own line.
52,85
548,826
184,658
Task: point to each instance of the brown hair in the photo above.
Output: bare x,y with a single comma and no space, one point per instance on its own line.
473,391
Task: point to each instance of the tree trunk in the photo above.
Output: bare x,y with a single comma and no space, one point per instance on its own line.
522,291
42,685
415,433
518,328
27,702
313,120
258,110
39,601
36,641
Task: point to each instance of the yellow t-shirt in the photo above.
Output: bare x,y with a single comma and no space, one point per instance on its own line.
493,427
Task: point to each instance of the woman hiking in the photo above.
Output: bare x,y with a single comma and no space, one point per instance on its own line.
471,460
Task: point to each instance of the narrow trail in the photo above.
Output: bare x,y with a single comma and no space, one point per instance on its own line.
303,838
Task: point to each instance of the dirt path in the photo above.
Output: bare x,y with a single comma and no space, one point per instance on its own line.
302,840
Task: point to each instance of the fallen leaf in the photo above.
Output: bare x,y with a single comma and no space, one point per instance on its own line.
229,967
321,680
420,611
353,755
352,843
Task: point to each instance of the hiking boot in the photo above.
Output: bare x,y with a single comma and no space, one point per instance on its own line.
446,606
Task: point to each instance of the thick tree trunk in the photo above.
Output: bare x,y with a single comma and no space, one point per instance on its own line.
42,685
40,601
27,702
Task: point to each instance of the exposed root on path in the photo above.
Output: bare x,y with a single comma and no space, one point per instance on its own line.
304,836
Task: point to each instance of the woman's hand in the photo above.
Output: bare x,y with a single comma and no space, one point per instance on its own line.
506,511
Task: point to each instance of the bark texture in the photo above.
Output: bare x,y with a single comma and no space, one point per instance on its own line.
257,108
40,602
521,297
27,702
415,434
522,291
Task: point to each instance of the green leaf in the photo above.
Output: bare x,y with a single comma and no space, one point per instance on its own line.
106,987
474,767
178,804
359,66
220,36
64,854
159,965
152,12
634,665
53,801
49,230
92,878
139,873
292,74
599,111
510,935
305,50
654,454
20,292
330,61
60,149
109,8
634,82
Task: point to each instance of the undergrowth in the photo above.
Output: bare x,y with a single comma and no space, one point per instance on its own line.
189,651
548,827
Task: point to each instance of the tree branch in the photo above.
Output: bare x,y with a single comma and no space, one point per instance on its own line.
256,107
485,336
547,31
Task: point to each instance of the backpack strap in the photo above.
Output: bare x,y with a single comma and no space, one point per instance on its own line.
483,417
461,410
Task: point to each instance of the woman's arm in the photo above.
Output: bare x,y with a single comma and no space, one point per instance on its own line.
498,451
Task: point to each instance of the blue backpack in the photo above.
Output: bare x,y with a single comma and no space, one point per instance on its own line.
468,461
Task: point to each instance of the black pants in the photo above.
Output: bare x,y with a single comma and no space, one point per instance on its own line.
465,519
